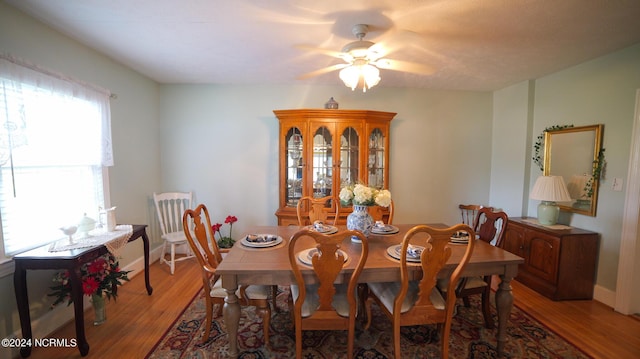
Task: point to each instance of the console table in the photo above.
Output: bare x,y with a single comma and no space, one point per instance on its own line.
71,260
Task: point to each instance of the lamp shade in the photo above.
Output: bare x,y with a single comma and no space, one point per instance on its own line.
551,189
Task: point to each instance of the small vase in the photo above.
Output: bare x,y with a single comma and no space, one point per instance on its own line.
99,308
360,220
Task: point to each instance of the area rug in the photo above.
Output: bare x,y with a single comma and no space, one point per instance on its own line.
469,339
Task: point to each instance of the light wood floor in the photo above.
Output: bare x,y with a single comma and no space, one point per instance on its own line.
137,321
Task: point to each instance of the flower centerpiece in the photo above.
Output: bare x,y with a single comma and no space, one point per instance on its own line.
361,197
99,278
228,241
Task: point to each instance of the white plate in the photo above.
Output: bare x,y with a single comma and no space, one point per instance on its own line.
273,241
306,255
326,229
387,229
459,241
394,252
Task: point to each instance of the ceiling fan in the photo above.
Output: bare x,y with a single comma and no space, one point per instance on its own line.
363,59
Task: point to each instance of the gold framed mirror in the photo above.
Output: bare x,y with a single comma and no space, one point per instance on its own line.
575,153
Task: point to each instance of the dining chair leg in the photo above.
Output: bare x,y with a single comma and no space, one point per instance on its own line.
209,319
265,313
486,308
396,341
445,339
173,258
466,302
274,294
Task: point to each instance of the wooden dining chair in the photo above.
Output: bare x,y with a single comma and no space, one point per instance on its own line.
206,250
318,303
490,227
312,209
377,213
416,302
469,213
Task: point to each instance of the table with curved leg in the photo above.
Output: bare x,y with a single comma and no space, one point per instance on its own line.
270,266
71,260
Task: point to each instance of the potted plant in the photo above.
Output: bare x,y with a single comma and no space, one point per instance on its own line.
100,279
225,242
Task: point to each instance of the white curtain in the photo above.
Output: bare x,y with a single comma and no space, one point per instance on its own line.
28,88
55,145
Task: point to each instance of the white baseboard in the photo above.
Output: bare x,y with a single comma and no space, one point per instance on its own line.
604,296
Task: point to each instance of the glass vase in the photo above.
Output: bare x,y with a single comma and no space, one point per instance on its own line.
99,308
360,219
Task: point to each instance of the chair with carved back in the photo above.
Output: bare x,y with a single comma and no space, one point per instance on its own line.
203,244
310,209
469,213
170,207
377,213
417,302
318,303
490,227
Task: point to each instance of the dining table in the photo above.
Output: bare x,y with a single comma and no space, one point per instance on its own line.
269,265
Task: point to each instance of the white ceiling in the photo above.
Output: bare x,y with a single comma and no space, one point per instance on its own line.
472,44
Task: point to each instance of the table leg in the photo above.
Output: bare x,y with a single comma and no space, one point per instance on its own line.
76,294
22,300
504,303
231,313
145,242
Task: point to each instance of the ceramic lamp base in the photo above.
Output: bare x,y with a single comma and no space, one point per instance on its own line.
548,213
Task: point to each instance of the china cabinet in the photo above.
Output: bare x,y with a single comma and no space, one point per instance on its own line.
558,263
322,150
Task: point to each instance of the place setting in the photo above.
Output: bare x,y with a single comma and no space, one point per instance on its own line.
382,228
262,240
460,237
320,227
305,256
412,254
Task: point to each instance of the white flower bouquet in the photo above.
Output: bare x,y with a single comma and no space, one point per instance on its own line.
361,195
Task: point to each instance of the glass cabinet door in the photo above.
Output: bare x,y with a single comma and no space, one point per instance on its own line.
294,166
349,157
376,161
322,166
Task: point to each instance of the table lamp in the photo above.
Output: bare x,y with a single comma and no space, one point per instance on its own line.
549,190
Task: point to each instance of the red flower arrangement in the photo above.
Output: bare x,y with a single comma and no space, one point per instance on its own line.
225,242
99,277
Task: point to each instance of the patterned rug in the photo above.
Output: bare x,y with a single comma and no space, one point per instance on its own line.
469,339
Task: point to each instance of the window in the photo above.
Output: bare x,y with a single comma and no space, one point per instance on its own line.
55,144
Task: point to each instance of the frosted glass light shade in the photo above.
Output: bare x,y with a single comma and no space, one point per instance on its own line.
367,74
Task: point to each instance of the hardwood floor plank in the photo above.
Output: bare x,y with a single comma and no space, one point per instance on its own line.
137,321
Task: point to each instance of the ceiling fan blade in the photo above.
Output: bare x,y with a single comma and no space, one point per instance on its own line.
321,71
405,66
395,40
337,54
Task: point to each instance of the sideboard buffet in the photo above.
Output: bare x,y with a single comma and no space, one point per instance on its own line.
558,263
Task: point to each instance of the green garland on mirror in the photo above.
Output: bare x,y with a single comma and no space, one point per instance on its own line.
540,144
598,164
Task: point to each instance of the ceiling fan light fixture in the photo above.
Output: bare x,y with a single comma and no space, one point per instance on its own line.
350,75
371,76
367,74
